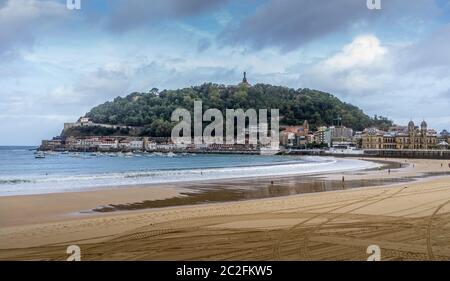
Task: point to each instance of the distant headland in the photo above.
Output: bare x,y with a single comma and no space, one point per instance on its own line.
309,119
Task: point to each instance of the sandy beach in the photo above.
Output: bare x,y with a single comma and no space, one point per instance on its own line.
407,218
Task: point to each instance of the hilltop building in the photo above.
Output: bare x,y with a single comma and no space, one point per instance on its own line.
244,81
86,122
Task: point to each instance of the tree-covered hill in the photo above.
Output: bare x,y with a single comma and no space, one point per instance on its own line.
153,110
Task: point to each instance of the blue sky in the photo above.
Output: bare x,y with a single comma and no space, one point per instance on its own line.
56,64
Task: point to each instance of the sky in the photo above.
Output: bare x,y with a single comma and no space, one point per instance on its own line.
57,63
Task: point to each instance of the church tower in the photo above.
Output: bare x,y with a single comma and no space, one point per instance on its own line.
306,126
412,134
423,135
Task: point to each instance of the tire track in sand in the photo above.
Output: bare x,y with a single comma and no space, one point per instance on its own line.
318,227
431,256
276,251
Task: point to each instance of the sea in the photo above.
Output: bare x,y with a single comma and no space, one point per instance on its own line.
21,173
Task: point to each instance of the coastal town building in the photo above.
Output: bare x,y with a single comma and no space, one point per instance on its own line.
88,143
108,144
409,137
323,135
443,145
287,138
295,135
357,139
132,144
372,139
443,137
53,144
150,146
444,134
341,134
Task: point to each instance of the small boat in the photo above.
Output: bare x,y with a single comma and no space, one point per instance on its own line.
39,155
269,150
171,154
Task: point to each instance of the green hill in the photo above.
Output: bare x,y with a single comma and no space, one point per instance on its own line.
153,110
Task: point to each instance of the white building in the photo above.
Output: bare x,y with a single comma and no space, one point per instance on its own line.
137,145
85,121
323,135
108,144
150,146
88,142
169,146
134,145
341,134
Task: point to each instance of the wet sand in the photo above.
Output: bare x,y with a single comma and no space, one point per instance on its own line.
408,220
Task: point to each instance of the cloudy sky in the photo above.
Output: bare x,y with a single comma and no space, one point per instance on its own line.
56,63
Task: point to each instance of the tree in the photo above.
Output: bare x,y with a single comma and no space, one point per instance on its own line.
153,110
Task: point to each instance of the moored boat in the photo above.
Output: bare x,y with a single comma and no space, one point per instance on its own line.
40,155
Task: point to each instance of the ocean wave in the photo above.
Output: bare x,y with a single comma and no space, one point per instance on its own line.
79,182
14,181
231,172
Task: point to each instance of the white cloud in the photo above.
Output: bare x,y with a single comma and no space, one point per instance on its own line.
359,67
364,51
